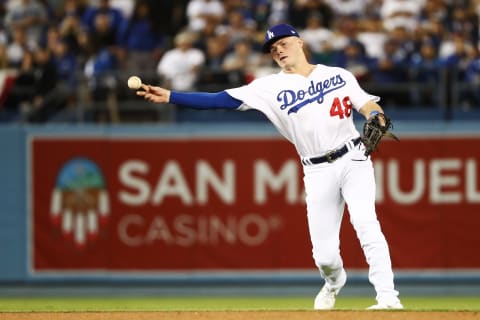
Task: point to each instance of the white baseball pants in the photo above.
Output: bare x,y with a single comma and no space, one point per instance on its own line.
328,187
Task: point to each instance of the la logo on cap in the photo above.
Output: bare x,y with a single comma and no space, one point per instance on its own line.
270,34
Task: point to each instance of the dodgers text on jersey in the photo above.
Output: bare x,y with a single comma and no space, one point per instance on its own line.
315,92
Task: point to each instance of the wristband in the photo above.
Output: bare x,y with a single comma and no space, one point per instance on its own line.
374,112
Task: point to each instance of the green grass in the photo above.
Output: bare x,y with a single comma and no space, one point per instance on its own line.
38,304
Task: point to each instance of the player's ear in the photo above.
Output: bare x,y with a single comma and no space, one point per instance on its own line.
301,42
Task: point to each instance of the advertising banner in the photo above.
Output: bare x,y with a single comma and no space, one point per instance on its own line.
179,204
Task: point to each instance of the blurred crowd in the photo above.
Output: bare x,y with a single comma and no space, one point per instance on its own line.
51,49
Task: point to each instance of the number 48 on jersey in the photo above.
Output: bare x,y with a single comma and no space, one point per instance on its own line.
342,108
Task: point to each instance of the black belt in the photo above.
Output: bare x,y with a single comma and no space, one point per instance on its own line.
332,155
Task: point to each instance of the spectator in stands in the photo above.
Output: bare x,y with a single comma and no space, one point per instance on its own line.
112,16
434,30
347,8
237,27
141,41
354,59
215,53
101,72
52,37
456,61
126,7
390,71
404,39
19,99
34,93
317,38
180,66
210,31
434,10
48,98
68,71
246,8
241,63
470,96
69,25
103,34
17,47
425,70
201,11
65,62
212,77
304,8
260,11
372,36
31,16
401,13
102,42
459,55
279,11
344,30
373,8
464,21
169,15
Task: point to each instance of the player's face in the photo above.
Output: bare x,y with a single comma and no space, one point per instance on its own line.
286,51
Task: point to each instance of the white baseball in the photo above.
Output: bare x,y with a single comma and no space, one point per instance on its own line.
134,83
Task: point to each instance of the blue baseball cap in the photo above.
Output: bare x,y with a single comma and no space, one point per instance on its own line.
277,32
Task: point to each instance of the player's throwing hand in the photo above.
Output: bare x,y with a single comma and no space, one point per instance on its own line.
154,94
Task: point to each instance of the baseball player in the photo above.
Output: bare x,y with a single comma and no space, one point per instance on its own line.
311,106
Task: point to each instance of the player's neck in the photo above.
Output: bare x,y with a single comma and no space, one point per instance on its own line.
304,69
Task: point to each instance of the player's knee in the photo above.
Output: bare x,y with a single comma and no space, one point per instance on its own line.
327,260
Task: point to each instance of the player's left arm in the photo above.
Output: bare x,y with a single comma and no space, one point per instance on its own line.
376,126
370,108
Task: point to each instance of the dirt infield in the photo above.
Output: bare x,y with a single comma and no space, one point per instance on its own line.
237,315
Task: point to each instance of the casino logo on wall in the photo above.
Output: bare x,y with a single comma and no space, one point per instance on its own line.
79,203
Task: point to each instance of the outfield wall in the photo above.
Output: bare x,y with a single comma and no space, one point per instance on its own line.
210,204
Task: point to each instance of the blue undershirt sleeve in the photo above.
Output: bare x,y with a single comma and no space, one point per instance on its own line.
205,100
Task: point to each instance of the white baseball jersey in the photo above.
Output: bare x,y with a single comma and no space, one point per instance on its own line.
314,112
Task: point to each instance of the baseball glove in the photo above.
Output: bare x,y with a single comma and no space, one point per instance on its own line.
374,129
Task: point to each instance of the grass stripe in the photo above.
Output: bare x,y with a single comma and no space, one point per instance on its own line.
70,304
